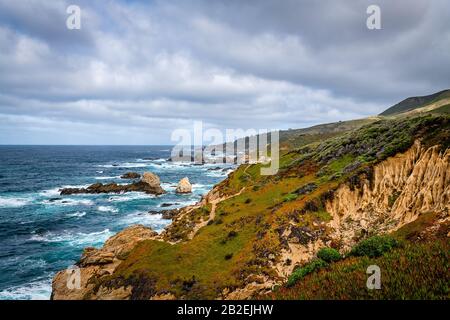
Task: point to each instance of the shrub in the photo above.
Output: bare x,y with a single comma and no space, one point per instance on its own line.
248,200
329,255
300,273
374,246
232,234
228,256
290,197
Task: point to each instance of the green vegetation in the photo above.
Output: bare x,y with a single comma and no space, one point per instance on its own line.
444,109
374,246
290,197
329,255
415,271
263,213
300,273
415,102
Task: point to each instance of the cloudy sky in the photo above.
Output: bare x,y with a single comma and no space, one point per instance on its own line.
137,70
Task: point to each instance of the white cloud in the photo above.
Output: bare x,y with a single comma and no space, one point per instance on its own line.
142,70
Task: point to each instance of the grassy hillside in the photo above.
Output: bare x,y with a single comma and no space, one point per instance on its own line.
243,241
415,102
416,266
413,271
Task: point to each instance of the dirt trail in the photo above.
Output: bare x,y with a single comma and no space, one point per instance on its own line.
212,214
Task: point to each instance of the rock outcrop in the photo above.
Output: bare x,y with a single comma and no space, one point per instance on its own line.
151,179
184,186
400,189
97,263
150,184
130,175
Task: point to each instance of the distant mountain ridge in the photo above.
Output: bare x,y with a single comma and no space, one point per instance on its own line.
412,103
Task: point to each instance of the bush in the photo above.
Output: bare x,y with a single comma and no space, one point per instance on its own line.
290,197
329,255
300,273
228,256
374,247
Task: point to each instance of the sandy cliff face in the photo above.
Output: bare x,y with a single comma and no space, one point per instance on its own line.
401,188
393,193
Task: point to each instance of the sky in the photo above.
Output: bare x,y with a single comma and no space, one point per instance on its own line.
138,70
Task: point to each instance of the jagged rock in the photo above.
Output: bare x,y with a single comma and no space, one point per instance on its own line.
123,242
169,214
96,263
93,256
184,186
149,184
130,175
165,204
307,188
151,179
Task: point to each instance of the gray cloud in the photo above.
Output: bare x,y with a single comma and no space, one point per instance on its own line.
138,70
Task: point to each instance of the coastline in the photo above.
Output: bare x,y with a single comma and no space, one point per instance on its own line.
52,230
103,261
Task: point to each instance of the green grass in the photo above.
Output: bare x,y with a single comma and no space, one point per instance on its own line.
444,109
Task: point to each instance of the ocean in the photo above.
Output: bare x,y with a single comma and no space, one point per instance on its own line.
42,232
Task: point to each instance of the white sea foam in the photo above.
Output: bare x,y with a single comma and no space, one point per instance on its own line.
14,202
75,239
130,197
69,202
37,290
216,174
155,221
124,165
57,190
107,178
77,214
107,209
171,166
167,186
50,192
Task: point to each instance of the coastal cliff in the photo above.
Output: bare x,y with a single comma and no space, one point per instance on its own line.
252,232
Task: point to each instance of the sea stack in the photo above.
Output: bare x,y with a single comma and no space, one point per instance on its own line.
184,186
153,181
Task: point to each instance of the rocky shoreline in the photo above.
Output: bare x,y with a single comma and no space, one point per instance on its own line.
97,263
94,264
